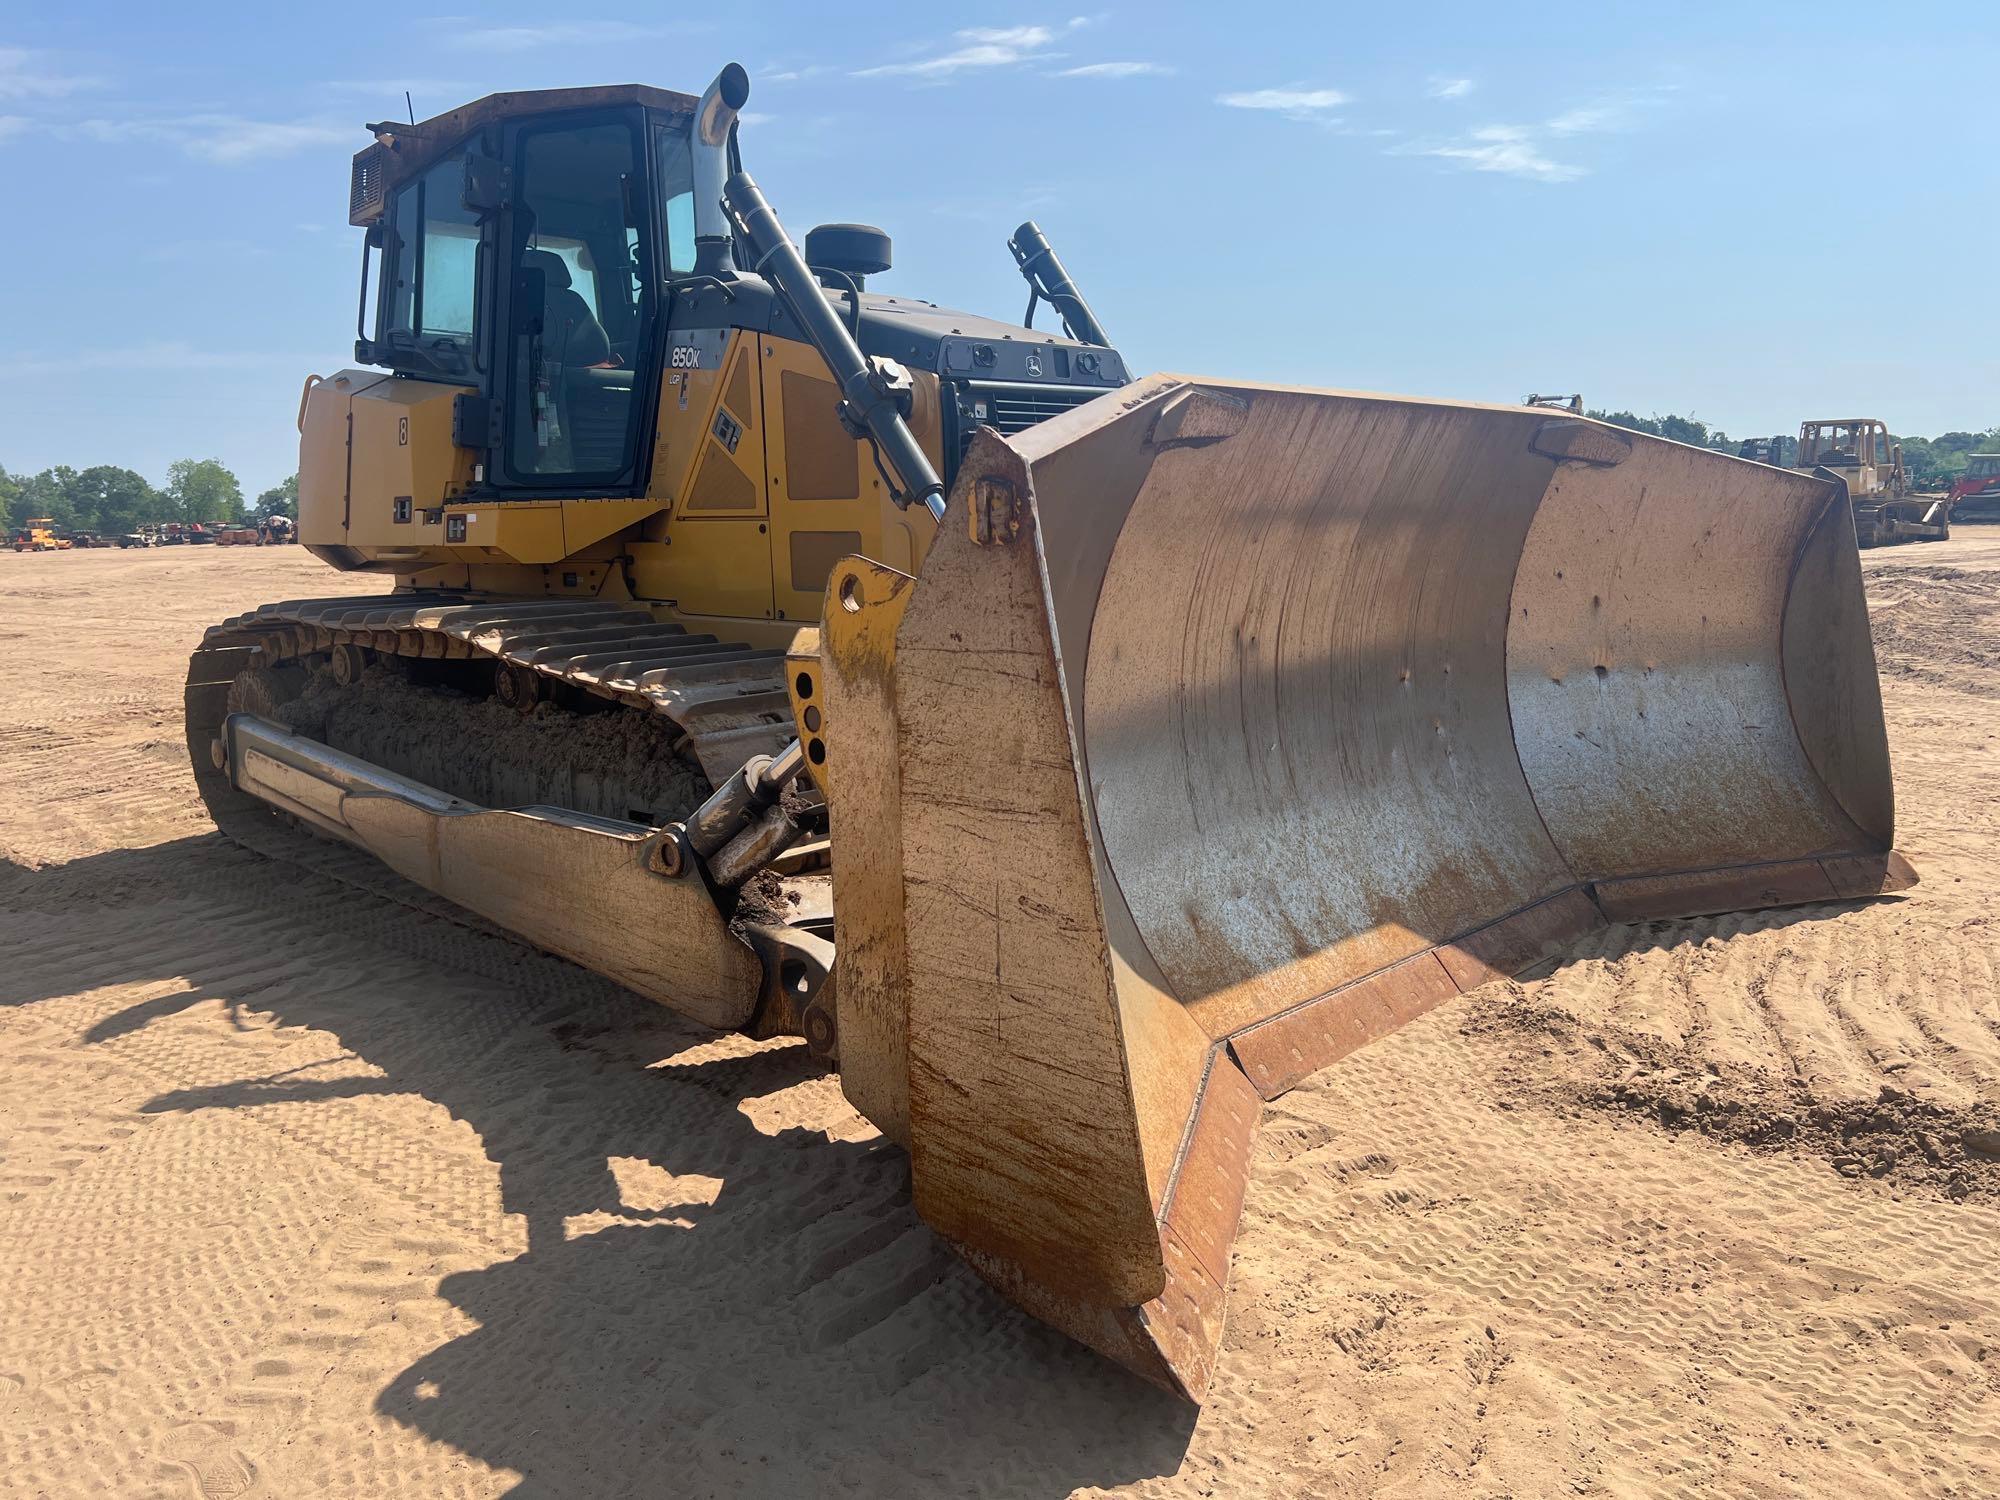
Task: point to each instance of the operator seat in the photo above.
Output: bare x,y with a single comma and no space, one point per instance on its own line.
571,333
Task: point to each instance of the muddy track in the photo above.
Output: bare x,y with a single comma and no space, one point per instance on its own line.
726,699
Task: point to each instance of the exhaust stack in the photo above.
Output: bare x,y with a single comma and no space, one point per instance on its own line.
714,119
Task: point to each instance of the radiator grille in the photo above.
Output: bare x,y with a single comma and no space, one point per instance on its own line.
1013,410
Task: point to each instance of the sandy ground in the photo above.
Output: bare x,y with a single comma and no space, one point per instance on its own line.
309,1193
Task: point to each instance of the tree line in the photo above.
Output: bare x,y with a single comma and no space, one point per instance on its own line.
1933,462
112,501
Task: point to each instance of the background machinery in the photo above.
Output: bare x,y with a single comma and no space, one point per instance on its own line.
1781,451
1074,761
1975,494
1857,453
40,534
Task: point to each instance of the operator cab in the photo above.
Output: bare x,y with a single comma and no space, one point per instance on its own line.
519,246
1852,444
533,248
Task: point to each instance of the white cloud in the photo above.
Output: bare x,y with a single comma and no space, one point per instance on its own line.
559,34
790,75
1294,103
11,125
1449,88
1525,150
981,47
31,75
1117,70
1590,117
1507,149
752,117
1619,111
223,139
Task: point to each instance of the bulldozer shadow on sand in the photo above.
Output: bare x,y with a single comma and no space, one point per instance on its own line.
800,1326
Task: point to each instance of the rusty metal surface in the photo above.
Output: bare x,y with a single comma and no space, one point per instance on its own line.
1646,693
1295,701
1206,1198
1315,710
1354,676
1025,1140
1172,1338
1698,893
1280,1053
1517,942
1857,876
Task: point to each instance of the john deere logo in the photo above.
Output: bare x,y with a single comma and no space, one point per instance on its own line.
1034,363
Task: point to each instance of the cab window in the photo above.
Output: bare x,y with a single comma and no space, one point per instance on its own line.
430,272
676,175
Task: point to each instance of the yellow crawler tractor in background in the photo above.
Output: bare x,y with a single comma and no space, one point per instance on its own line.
1857,454
1073,760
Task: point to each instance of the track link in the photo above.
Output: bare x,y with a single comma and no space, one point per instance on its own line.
727,697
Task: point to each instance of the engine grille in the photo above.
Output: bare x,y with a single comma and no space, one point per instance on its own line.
1012,408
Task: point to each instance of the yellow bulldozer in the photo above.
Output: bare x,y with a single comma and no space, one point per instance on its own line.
1073,760
1858,455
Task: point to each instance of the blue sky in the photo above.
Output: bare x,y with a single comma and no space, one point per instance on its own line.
1672,207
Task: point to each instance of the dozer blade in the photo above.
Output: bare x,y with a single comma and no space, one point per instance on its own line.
1228,727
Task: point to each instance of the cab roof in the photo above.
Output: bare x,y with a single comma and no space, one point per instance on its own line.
402,151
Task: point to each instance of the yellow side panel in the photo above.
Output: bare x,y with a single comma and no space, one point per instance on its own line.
520,531
402,450
389,491
588,521
714,553
708,568
535,531
323,456
828,500
710,420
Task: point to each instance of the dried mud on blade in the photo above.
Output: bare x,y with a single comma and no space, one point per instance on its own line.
1229,727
